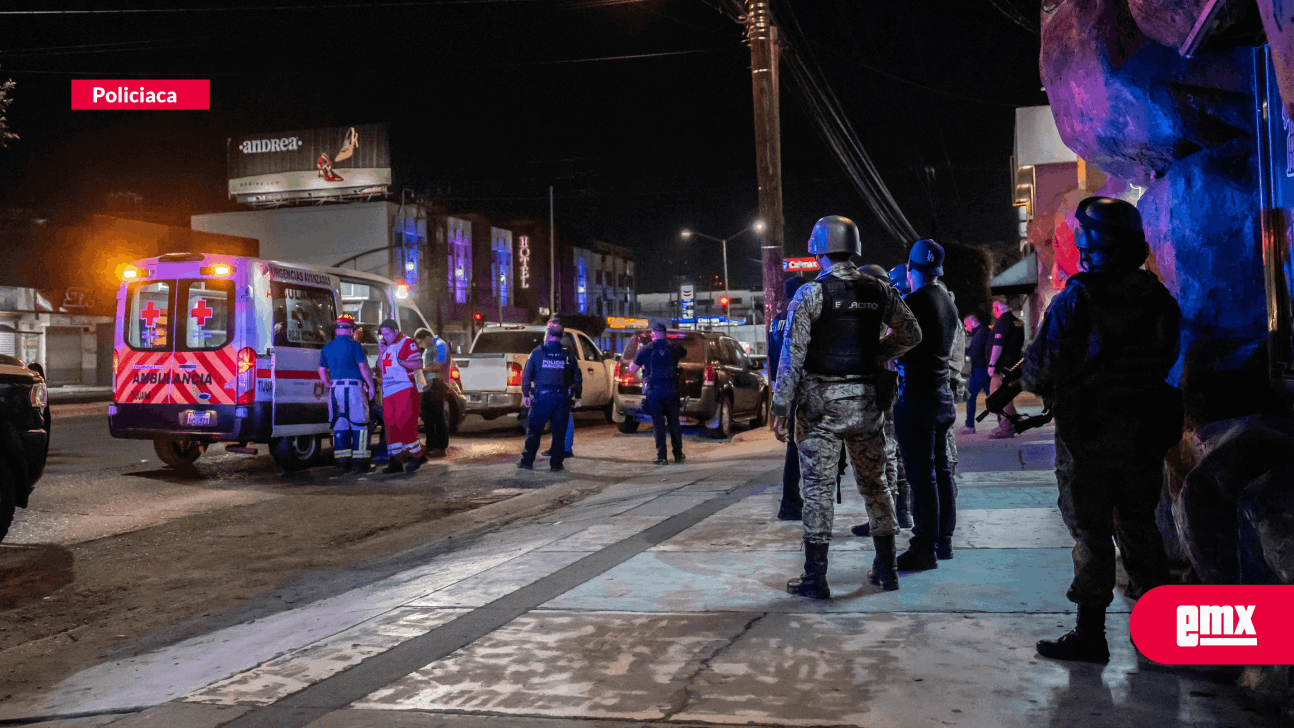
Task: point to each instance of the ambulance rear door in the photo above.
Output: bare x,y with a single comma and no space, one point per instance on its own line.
304,306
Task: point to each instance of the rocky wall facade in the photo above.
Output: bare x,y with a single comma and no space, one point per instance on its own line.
1184,131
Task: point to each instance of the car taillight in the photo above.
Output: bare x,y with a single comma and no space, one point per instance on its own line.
114,364
455,374
246,362
514,374
708,379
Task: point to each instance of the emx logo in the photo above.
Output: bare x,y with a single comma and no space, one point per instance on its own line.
1215,625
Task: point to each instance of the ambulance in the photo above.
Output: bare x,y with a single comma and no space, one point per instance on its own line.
222,348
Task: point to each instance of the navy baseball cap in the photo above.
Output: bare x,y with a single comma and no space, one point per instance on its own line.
927,256
791,285
658,326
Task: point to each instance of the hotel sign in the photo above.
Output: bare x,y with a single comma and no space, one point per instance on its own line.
523,259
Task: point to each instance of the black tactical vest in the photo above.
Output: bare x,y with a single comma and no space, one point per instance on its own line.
845,340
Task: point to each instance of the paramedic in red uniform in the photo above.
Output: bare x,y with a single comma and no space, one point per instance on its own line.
398,360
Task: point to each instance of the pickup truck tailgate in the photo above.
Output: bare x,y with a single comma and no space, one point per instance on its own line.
483,372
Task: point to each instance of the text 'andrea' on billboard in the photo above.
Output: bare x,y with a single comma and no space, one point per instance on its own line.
310,163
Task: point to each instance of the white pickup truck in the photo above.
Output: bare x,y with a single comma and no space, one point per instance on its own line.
491,373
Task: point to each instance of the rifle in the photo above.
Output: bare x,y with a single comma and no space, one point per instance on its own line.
1011,388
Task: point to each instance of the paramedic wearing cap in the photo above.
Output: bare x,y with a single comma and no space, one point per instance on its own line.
398,359
343,367
660,358
549,383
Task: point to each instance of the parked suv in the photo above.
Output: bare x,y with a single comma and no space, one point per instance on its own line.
717,381
24,436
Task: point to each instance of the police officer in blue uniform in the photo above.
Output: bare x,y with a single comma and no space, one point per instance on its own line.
660,358
792,502
343,367
549,383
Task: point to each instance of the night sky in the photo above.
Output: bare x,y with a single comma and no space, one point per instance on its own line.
491,101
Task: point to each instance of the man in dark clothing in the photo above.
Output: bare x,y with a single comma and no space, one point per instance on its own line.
660,358
1100,360
792,503
549,383
925,411
343,367
1008,342
977,348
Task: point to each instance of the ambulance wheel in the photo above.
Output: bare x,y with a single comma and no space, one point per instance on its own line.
629,426
178,453
295,453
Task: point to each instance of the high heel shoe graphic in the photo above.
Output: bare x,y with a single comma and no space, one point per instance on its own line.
324,165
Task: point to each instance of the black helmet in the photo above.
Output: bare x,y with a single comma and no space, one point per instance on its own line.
875,271
1111,236
835,234
1108,223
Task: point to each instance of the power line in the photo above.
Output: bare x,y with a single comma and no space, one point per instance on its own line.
825,110
339,6
333,71
1012,13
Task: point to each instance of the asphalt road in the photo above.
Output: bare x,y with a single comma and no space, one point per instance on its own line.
96,486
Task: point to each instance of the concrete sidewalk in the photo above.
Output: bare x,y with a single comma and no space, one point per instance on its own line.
661,601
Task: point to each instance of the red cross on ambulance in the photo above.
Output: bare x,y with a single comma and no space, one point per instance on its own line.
201,312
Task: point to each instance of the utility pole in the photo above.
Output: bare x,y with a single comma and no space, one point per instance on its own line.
552,258
762,36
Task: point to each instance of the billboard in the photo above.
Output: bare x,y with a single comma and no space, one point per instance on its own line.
333,162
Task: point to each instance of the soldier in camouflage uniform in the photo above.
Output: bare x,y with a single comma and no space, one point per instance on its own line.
831,367
1100,360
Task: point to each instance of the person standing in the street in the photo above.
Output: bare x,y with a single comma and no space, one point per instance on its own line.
435,365
925,411
1008,343
550,381
832,368
1101,358
343,367
399,359
567,343
660,359
792,504
956,384
978,351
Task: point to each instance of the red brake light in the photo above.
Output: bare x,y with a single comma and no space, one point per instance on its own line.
246,363
114,364
455,374
514,374
709,375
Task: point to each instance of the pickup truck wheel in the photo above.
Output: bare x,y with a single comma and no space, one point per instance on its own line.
178,453
609,413
8,499
295,453
629,426
723,418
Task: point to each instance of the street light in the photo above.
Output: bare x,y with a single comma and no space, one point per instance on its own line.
758,226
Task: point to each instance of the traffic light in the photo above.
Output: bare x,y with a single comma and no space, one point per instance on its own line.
478,317
723,301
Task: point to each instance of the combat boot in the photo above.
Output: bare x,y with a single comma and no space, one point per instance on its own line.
344,465
918,558
813,582
1085,643
885,568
